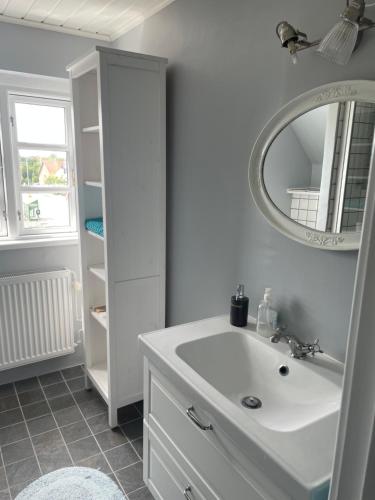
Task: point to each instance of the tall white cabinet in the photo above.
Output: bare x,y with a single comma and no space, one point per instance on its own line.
119,122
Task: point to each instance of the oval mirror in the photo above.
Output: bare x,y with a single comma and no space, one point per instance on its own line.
309,167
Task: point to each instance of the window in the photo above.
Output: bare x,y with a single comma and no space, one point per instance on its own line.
42,167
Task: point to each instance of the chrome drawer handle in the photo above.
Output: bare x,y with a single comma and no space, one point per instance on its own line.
187,492
193,417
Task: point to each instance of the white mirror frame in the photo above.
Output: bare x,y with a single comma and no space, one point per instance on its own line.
357,90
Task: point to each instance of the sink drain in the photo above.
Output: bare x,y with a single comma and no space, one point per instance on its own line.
251,402
283,370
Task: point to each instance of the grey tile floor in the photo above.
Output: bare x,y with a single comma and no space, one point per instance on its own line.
51,421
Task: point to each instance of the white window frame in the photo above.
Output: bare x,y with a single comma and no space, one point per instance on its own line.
26,84
19,230
3,202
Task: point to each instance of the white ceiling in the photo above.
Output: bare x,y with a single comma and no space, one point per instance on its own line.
103,19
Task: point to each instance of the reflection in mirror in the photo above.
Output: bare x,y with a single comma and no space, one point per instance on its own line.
316,170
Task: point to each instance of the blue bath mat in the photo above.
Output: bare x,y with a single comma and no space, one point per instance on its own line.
72,483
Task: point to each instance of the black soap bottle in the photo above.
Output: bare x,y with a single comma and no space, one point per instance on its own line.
239,307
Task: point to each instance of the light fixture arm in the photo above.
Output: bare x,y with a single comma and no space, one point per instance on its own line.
305,44
293,39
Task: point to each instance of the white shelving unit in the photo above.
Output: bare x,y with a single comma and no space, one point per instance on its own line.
120,177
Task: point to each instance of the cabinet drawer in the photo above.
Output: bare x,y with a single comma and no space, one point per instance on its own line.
217,469
166,479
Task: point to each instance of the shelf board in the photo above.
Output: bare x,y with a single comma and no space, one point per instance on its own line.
94,235
98,375
98,270
97,184
90,130
101,318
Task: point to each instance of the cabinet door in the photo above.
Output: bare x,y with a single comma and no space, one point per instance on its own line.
134,168
134,308
167,479
200,448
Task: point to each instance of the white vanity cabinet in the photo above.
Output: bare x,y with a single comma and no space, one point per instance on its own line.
182,460
200,442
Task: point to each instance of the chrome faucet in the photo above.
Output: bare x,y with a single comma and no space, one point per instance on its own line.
298,349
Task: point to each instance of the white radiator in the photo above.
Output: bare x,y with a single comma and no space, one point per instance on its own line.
36,317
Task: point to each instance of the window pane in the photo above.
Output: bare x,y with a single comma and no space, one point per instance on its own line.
44,210
40,124
42,168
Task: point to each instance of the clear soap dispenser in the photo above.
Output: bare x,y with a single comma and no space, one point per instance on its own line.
267,317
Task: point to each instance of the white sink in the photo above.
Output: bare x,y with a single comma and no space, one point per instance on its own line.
239,365
292,435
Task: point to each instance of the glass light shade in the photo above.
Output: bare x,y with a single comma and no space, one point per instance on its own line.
338,45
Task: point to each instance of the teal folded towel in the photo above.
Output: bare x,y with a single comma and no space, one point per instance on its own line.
72,483
95,225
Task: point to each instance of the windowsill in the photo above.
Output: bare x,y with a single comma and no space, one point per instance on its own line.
21,243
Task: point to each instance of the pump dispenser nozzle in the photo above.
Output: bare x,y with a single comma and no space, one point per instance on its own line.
240,291
268,294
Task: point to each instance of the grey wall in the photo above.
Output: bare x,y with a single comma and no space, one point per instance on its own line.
286,166
310,129
42,52
316,174
227,77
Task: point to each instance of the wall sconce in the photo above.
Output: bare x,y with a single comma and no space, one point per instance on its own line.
339,43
